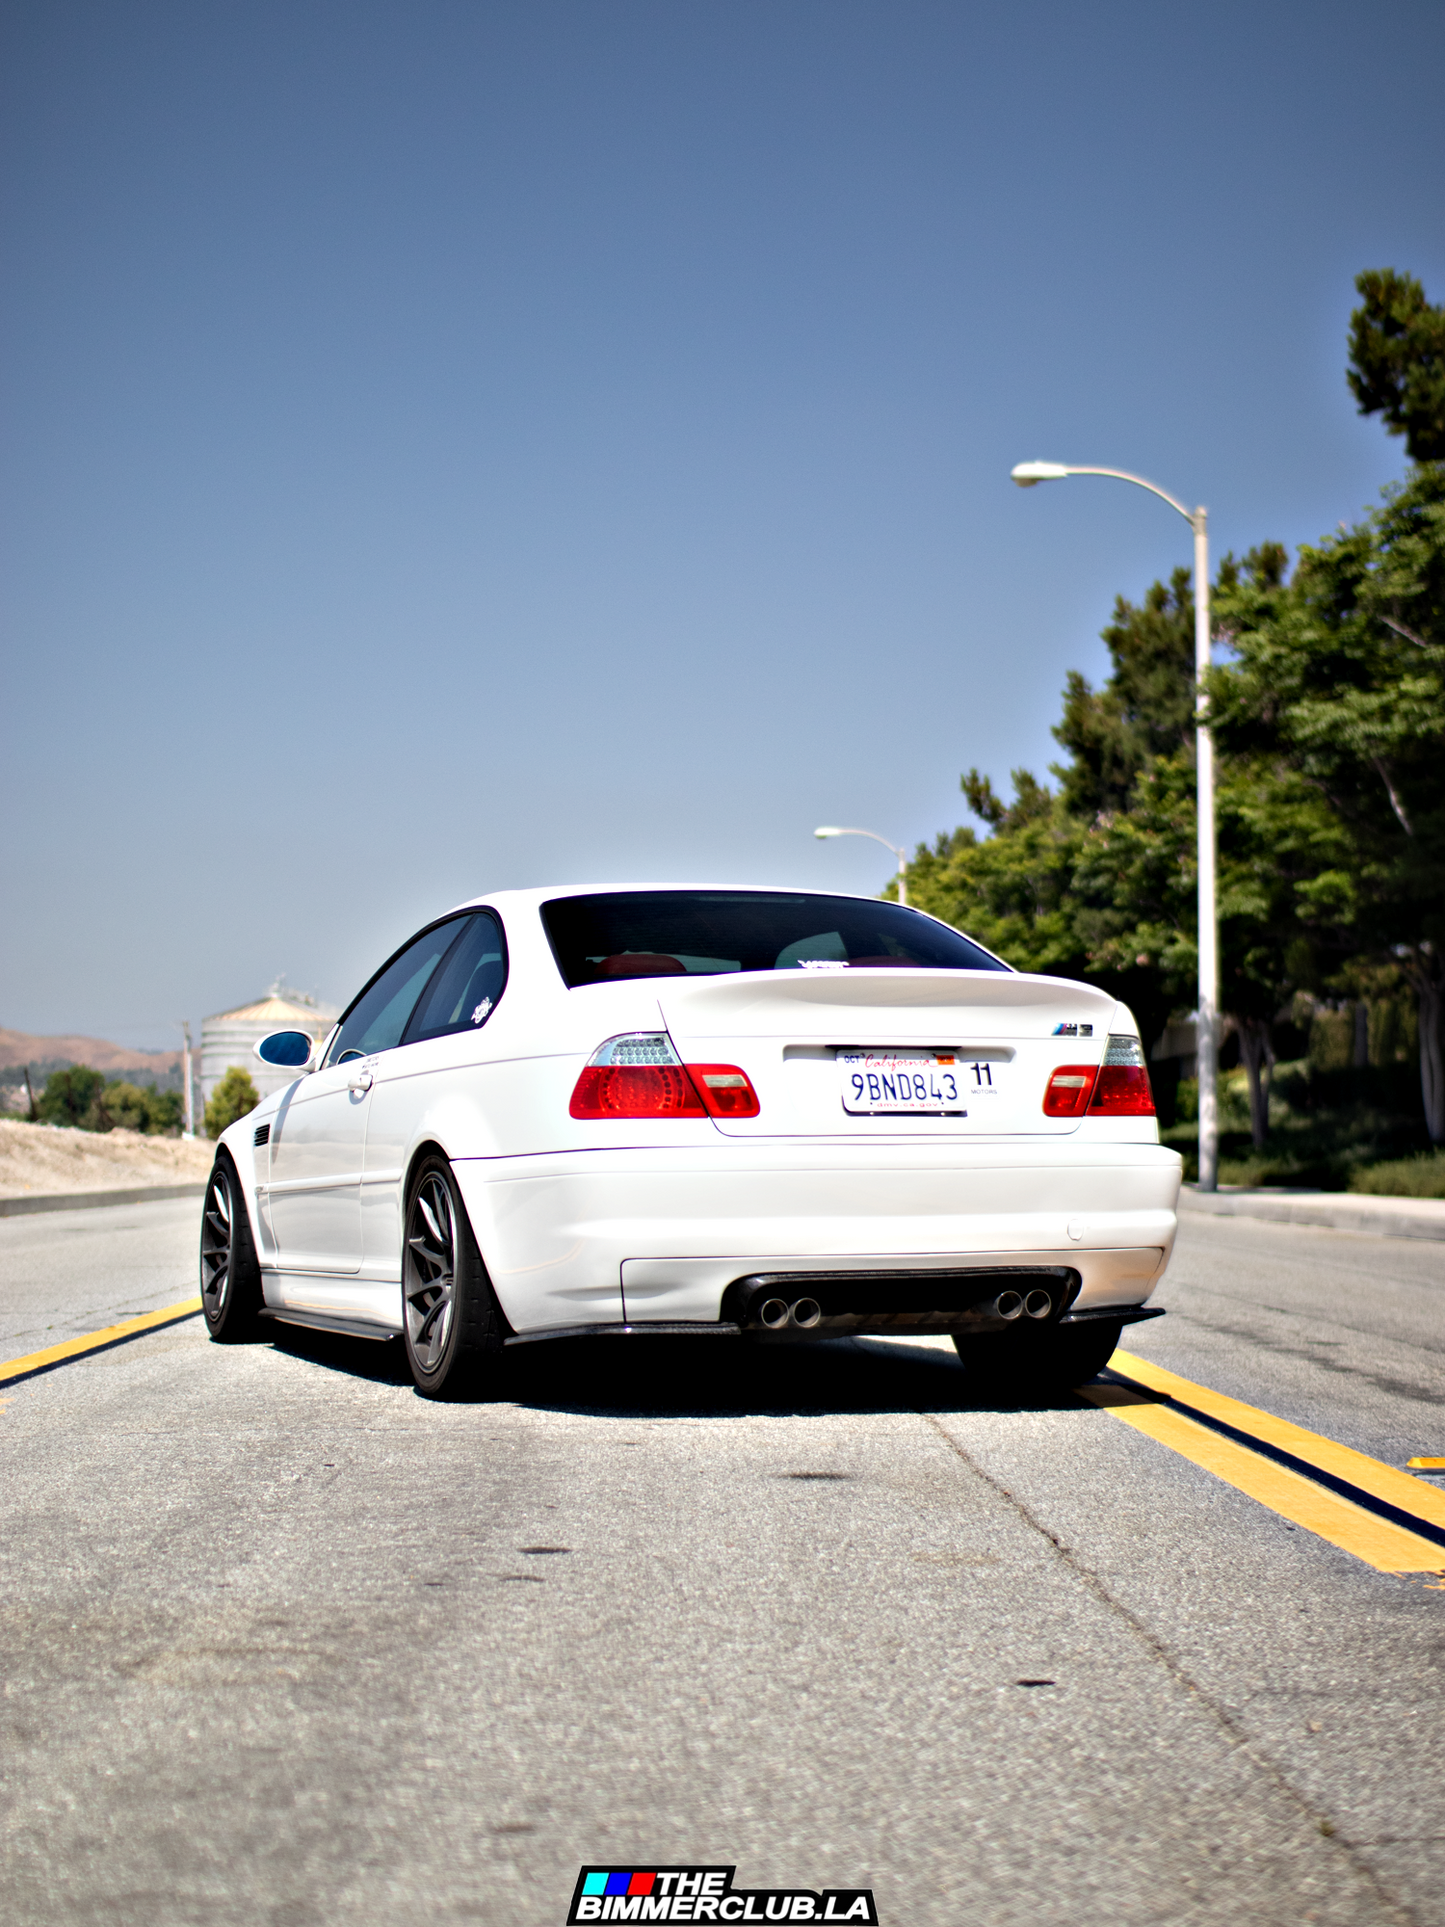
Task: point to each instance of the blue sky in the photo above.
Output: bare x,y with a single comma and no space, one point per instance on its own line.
450,446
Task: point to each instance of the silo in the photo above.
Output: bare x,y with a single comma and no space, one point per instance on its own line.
231,1037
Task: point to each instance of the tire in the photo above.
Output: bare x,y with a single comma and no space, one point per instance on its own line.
231,1295
451,1323
1058,1360
1078,1353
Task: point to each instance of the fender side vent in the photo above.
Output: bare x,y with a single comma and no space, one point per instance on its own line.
262,1136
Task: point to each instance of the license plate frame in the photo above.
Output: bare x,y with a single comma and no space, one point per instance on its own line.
939,1083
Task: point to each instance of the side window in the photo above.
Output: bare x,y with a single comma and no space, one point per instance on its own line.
377,1019
464,992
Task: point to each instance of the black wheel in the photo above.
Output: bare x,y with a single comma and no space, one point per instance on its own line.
231,1296
1007,1364
994,1363
1077,1353
451,1321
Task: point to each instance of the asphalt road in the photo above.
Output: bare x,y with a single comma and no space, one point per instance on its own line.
285,1644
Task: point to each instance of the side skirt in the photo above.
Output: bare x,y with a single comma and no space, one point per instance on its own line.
322,1321
680,1328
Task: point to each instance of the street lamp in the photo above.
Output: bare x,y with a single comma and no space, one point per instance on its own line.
1027,475
830,829
190,1130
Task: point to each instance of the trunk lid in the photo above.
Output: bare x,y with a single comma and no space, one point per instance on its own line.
792,1032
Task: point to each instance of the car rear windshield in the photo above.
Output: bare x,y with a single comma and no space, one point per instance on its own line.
703,933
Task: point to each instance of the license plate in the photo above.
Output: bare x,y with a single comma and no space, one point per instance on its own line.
915,1082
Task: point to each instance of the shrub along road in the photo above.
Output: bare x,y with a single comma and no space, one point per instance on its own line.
287,1644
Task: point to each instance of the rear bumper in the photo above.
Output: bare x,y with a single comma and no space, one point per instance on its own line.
725,1328
644,1236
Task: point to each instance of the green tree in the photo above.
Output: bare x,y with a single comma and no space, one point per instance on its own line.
1146,709
1011,890
165,1113
1041,891
1338,687
132,1107
232,1098
1100,879
1331,788
69,1097
1397,360
1136,901
122,1106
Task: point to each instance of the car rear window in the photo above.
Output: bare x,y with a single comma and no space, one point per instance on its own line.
674,933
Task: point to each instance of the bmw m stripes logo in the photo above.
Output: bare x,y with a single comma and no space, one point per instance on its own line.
707,1893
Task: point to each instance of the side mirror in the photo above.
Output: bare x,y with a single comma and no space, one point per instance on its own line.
286,1050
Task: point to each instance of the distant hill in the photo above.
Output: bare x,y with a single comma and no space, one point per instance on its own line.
43,1054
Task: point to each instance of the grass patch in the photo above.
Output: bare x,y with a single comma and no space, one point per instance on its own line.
1331,1130
1422,1176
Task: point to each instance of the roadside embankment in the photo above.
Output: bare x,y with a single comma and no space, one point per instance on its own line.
1340,1210
42,1161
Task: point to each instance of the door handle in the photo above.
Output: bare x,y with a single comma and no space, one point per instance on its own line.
359,1080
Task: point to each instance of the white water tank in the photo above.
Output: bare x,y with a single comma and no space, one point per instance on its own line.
231,1037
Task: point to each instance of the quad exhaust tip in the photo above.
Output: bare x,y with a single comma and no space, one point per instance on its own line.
1012,1304
776,1314
804,1314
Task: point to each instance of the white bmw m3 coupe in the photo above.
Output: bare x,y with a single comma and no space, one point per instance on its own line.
722,1112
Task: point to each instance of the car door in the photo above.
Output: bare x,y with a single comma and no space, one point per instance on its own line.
319,1133
459,998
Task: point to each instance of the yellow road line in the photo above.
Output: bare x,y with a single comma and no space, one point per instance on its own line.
1386,1547
1366,1474
96,1341
1380,1543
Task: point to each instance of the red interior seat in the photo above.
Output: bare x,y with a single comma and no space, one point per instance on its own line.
641,963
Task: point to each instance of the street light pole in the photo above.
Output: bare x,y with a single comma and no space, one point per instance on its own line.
1027,475
1207,1028
190,1095
830,829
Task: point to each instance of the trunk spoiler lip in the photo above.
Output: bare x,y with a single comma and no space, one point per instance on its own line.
866,990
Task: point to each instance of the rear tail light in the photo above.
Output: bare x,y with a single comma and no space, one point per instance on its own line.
1119,1087
641,1075
725,1090
1069,1090
1123,1086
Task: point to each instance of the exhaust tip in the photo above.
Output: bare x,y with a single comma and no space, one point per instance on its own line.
1038,1304
774,1314
806,1313
1008,1304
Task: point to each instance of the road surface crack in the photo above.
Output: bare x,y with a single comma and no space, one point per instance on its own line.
1234,1733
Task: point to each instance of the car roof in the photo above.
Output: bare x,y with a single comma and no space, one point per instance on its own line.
519,899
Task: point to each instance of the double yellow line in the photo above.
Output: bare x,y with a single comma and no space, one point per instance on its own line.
95,1341
1391,1521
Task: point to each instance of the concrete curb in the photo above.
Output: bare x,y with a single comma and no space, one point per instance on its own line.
86,1200
1339,1210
